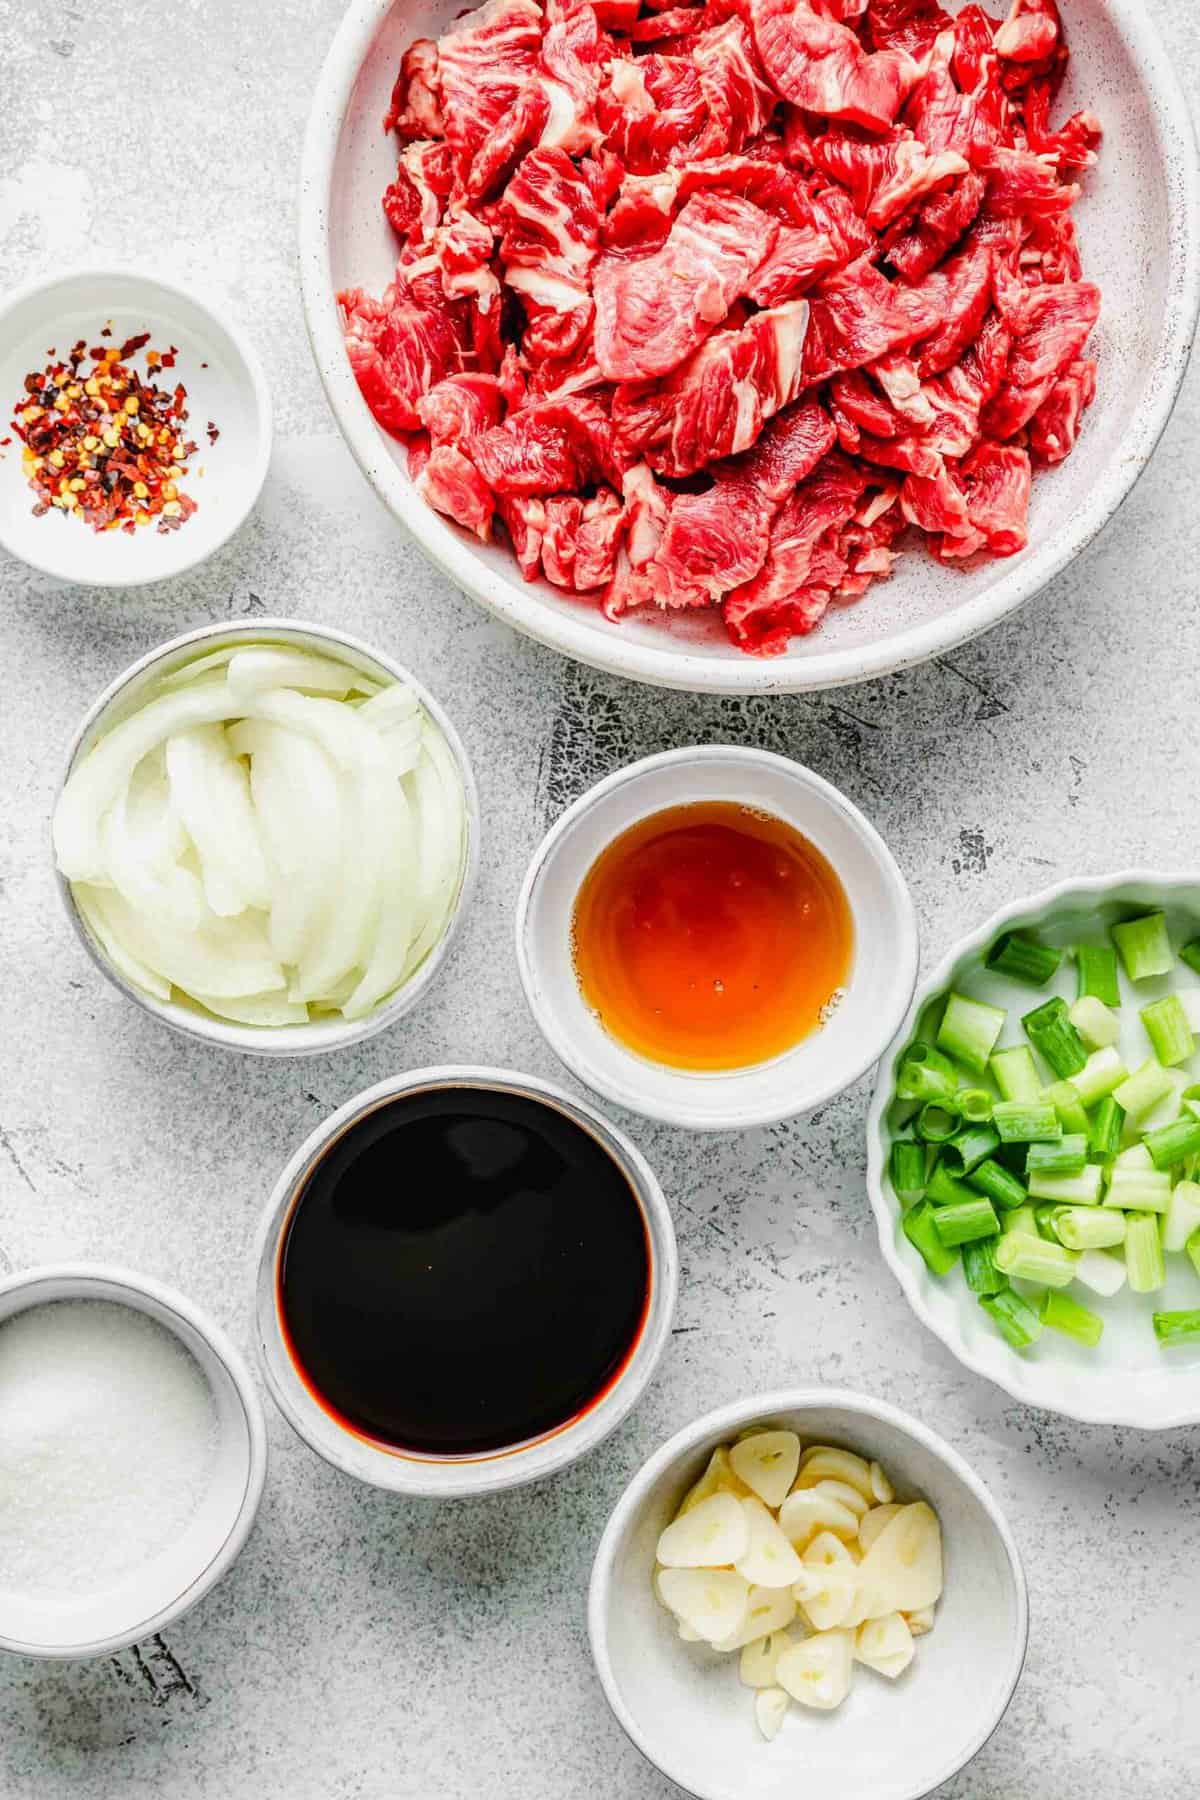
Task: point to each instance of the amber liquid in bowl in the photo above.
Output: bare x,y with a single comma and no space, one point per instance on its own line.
711,936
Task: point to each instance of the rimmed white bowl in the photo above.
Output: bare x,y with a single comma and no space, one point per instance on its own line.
683,1705
154,1595
124,695
225,384
452,1477
1140,228
1128,1379
882,973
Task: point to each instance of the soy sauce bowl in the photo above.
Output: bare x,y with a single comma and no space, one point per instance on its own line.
877,990
404,1471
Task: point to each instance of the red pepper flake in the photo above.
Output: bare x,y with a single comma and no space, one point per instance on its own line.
213,433
106,331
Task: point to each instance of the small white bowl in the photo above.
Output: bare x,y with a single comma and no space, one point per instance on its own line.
152,1597
405,1471
231,391
683,1705
126,693
1128,1379
883,969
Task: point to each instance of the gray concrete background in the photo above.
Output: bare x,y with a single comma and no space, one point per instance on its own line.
364,1646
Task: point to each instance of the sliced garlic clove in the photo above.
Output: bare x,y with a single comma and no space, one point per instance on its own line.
873,1522
881,1487
821,1462
770,1609
718,1478
712,1602
904,1564
920,1620
827,1587
713,1535
769,1560
817,1672
885,1645
770,1710
767,1463
756,1666
808,1511
843,1493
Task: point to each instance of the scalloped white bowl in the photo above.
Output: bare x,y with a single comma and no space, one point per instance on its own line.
1140,227
1128,1379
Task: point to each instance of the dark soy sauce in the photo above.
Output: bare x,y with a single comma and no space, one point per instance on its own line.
465,1269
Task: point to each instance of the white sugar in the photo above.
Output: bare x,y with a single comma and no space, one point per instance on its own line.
108,1438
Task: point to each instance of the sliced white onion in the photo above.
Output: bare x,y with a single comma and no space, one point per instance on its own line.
143,842
255,1009
298,802
92,903
227,958
257,670
210,790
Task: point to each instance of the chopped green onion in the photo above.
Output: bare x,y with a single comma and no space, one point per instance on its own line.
1167,1028
1072,1190
1028,1258
1097,966
1168,1109
969,1030
1105,1128
1177,1327
1193,1250
1183,1216
979,1267
1136,1157
1022,958
975,1218
976,1104
1015,1073
1026,1121
1143,1253
1137,1190
908,1170
1102,1273
1097,1026
1089,1227
1061,1313
1144,947
920,1230
1170,1145
1064,1098
1022,1219
1190,954
1051,1032
1066,1157
1001,1187
945,1189
925,1074
937,1121
1142,1090
1044,1218
1101,1073
970,1145
1013,1317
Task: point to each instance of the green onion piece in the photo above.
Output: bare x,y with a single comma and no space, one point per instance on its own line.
1064,1098
945,1189
1144,947
1001,1187
1143,1253
937,1121
1167,1028
1051,1032
1044,1218
969,1030
1013,1318
975,1218
1104,1130
1168,1109
1072,1190
1026,1258
1102,1273
1026,1121
970,1146
976,1104
907,1170
1137,1190
1142,1090
1101,1073
1022,1220
1193,1250
1182,1217
1089,1227
1061,1313
979,1267
925,1074
920,1230
1097,967
1190,954
1177,1327
1066,1157
1097,1026
1015,1073
1016,954
1172,1143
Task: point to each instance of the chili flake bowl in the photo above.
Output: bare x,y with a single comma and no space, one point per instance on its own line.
226,388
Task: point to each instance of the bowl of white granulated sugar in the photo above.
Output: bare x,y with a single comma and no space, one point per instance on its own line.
132,1459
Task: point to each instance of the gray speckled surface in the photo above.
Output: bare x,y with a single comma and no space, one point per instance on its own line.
364,1646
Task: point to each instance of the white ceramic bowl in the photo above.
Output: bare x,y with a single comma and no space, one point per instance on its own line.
684,1706
407,1472
1140,229
151,1597
883,970
126,693
1128,1379
231,392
